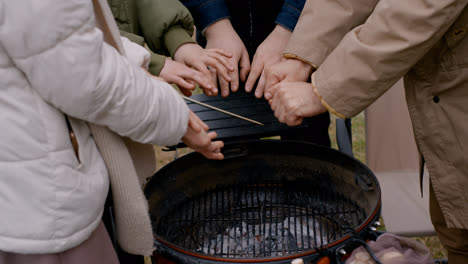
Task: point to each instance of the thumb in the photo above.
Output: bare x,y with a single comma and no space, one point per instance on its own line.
244,65
194,123
271,80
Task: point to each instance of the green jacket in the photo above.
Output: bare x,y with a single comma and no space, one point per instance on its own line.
164,25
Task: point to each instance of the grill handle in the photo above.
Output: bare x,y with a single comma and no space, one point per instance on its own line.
236,151
364,181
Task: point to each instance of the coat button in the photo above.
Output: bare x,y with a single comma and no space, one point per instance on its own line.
436,99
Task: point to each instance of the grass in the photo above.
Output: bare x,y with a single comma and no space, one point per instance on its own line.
359,150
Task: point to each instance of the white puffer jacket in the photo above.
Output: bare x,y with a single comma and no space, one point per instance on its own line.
53,61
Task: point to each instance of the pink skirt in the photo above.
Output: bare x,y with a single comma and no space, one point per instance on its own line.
98,249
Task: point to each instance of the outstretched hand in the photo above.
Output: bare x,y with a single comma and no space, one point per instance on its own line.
291,70
222,35
201,60
292,101
184,77
199,140
268,53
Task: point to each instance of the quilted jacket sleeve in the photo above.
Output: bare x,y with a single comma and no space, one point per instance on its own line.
165,24
63,56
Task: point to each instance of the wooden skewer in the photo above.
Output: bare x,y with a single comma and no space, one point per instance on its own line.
221,110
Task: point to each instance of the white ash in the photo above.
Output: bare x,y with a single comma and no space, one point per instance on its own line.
259,241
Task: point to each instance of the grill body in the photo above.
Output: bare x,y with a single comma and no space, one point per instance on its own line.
268,201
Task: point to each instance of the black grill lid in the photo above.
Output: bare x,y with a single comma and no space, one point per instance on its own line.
230,128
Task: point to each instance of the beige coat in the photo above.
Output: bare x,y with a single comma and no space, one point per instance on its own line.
363,47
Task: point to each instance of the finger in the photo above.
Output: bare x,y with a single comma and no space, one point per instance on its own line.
194,76
268,88
211,146
183,84
208,92
273,104
200,75
214,80
260,87
199,122
235,80
215,146
271,80
224,85
213,156
209,73
271,92
294,120
220,51
194,123
244,65
218,145
256,70
207,85
185,92
212,135
220,68
223,61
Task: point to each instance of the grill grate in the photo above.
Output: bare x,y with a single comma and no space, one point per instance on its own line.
259,220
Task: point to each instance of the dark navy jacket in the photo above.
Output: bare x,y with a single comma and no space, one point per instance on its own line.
253,20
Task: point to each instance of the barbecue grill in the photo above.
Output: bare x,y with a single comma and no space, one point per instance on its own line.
268,201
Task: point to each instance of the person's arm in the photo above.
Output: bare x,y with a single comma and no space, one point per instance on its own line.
221,35
71,67
206,12
289,13
270,51
373,56
165,24
167,27
322,24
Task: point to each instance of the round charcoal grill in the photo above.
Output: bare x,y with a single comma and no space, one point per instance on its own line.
268,201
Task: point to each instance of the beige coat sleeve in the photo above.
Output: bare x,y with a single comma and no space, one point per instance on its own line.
373,56
322,25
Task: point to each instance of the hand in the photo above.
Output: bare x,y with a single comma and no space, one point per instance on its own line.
199,140
222,35
267,54
291,70
292,101
185,77
195,56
